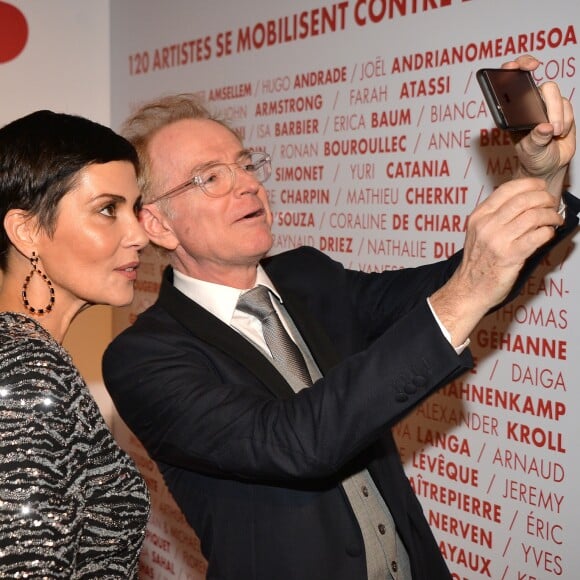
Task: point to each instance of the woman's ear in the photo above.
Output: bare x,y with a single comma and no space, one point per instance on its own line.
22,230
157,227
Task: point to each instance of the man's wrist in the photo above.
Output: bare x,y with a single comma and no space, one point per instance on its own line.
458,349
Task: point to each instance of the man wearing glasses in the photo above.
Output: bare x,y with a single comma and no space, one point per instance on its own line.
278,450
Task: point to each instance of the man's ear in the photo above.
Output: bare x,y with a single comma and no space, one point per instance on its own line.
22,230
157,227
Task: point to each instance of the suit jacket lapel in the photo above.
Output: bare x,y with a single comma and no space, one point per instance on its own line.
313,334
213,331
208,328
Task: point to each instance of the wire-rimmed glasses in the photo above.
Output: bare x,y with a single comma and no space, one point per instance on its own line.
219,179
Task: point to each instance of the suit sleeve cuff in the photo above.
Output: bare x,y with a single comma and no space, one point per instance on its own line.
458,349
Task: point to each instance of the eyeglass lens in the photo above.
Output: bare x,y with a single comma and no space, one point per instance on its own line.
219,179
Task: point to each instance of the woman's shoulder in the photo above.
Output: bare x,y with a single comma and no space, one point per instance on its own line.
32,360
18,331
16,327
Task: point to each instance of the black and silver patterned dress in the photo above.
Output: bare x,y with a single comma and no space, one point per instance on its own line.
72,503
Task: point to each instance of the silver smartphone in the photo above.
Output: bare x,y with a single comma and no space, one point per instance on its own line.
513,98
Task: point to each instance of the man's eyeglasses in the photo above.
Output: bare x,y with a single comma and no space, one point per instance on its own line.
219,179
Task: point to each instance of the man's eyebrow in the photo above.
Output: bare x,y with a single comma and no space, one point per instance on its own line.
244,153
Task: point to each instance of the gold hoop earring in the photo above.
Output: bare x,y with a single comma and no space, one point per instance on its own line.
35,270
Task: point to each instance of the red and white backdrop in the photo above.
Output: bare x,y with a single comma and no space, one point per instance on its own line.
382,146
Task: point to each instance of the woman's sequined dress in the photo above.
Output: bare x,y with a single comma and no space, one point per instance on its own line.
72,503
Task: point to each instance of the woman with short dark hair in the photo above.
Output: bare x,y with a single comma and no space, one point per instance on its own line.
72,503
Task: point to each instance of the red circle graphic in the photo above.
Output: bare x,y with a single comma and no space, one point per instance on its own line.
13,32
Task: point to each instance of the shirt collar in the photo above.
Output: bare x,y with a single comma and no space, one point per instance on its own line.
220,300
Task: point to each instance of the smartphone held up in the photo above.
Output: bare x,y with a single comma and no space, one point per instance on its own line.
513,98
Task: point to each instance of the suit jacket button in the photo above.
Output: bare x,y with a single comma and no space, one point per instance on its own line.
419,381
354,550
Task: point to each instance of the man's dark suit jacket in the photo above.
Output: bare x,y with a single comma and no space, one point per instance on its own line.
256,468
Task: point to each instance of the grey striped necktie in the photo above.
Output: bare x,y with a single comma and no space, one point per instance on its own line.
284,351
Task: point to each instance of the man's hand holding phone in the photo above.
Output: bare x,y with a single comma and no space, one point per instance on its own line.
546,149
519,216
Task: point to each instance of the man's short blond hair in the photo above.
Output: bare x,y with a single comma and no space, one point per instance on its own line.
152,116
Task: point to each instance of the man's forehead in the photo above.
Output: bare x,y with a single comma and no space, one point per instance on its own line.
190,129
194,136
